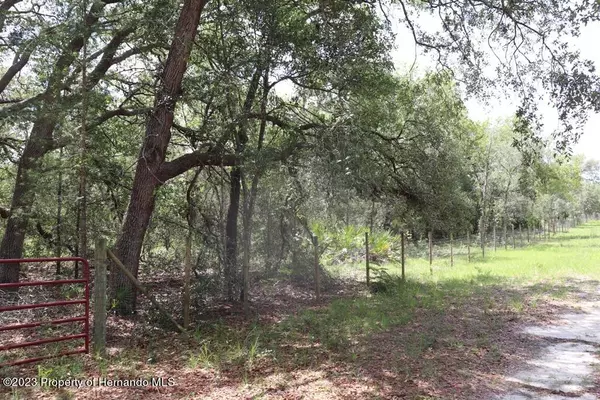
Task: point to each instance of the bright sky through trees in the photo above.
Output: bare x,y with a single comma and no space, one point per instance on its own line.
499,107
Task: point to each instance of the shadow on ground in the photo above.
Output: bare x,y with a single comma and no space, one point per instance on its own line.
413,340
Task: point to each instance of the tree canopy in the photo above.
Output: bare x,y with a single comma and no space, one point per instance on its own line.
274,117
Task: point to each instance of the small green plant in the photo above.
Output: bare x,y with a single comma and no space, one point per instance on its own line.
253,351
383,281
456,344
102,364
205,358
382,243
516,304
72,291
60,369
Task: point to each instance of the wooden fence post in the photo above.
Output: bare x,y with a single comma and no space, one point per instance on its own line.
513,235
367,257
402,255
99,333
521,234
431,252
494,235
317,274
451,249
543,232
528,233
559,223
482,239
469,246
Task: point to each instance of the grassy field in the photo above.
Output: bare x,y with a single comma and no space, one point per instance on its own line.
575,254
446,335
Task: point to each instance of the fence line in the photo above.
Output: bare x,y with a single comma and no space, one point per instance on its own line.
429,248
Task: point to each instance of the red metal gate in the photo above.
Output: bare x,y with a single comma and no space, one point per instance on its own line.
85,334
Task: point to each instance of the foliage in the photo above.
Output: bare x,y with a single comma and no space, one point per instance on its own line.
291,121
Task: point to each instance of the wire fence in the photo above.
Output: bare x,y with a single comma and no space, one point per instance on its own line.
473,244
435,247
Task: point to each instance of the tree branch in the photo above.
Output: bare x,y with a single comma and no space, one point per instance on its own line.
108,57
197,158
49,238
119,112
4,7
284,124
18,106
69,54
19,62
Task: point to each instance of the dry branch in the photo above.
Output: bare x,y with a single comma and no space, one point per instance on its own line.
138,285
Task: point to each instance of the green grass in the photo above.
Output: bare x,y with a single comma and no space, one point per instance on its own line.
523,275
575,254
481,292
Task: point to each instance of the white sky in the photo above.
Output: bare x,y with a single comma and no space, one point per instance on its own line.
587,43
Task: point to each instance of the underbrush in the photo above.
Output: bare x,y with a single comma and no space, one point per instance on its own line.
455,316
341,328
510,280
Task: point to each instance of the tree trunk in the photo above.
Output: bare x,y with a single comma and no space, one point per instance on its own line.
246,253
469,246
187,267
230,267
317,266
513,236
152,156
82,196
367,258
268,237
129,244
483,218
187,273
59,201
372,216
39,143
250,196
